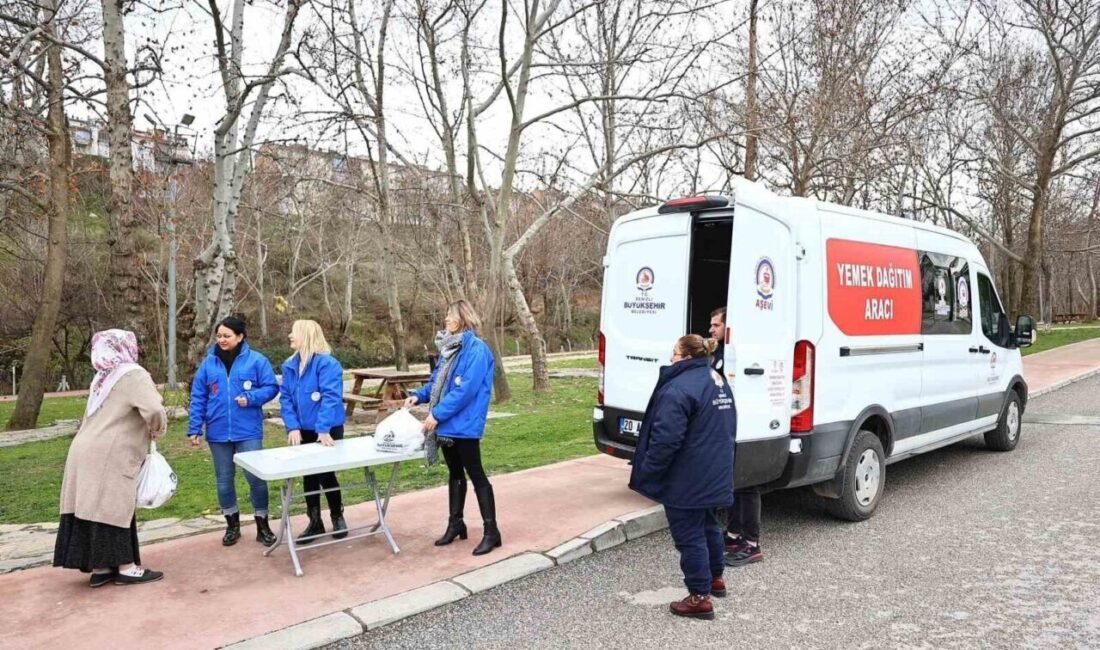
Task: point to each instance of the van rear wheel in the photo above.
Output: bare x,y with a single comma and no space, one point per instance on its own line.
861,483
1007,434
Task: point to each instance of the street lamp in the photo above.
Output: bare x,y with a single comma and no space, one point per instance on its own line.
173,161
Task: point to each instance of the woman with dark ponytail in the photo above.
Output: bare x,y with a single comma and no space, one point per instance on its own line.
684,461
227,398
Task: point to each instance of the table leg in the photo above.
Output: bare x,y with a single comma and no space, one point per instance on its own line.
287,534
383,504
358,386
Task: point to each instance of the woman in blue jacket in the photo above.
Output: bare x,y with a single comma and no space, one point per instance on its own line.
684,460
458,395
312,403
228,394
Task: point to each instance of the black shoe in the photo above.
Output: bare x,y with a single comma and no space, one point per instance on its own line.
747,554
100,579
339,526
263,532
315,527
147,575
232,529
486,502
456,528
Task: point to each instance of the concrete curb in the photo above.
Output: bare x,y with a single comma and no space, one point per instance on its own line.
1062,384
305,636
380,613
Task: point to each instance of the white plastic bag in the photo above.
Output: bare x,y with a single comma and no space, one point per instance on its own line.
399,433
156,482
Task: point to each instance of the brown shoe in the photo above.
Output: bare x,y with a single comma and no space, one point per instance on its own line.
694,606
718,587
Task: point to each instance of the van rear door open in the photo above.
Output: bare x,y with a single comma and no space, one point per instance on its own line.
643,315
761,318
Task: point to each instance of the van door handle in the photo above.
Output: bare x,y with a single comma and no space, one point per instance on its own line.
754,371
973,350
984,350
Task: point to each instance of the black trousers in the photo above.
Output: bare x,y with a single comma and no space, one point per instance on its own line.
325,480
464,458
744,514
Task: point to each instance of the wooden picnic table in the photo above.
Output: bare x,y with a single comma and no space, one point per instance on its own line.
394,388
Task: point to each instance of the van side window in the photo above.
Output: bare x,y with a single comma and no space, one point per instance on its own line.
991,311
945,295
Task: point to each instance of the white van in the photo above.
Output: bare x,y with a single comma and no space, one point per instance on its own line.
854,339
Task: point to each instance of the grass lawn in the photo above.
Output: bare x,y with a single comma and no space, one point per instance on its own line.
72,408
1058,337
546,429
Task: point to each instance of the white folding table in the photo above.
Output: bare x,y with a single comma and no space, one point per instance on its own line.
288,463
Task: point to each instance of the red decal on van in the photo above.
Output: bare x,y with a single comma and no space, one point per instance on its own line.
874,290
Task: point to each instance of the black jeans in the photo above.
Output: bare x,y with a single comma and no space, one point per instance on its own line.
465,456
325,480
744,514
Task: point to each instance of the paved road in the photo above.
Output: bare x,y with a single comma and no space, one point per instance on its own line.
969,549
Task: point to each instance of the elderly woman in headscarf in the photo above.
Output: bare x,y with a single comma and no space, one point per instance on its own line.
98,531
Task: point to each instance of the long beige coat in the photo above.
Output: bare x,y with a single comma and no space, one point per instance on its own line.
100,473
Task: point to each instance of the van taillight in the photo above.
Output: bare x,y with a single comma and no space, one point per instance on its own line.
802,389
603,361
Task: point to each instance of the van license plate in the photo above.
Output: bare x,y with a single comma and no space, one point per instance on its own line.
628,427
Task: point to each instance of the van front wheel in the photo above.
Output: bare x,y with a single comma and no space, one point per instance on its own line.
1007,434
861,482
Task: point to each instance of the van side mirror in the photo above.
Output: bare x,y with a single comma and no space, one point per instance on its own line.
1025,332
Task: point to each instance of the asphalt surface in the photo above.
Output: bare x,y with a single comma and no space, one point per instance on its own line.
968,549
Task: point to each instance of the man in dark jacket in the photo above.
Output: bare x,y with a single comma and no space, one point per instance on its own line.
684,461
718,333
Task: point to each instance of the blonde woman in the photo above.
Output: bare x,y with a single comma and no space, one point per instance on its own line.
312,401
458,396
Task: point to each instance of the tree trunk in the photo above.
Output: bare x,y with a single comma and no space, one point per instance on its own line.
37,360
751,126
539,366
126,299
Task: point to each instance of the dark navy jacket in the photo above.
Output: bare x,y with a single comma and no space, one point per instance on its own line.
684,457
214,396
313,399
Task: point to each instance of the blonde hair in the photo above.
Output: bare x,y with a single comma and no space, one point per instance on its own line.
311,340
466,315
695,346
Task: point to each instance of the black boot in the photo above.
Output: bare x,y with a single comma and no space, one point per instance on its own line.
315,527
488,506
263,532
456,528
336,510
232,529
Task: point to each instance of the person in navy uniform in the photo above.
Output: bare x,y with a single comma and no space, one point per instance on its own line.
684,461
228,395
312,402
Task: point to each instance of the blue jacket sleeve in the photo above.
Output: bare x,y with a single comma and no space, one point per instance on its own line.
666,433
424,393
287,411
197,413
476,365
268,388
331,384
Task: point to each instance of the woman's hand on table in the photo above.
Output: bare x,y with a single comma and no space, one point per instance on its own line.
294,438
326,439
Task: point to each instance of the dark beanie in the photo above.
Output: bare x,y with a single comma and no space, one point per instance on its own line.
235,324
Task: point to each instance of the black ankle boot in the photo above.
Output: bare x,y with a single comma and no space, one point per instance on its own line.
263,532
315,527
339,526
488,507
232,529
456,528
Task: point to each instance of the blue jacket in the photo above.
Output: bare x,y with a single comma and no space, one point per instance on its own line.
214,397
464,404
313,400
684,457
